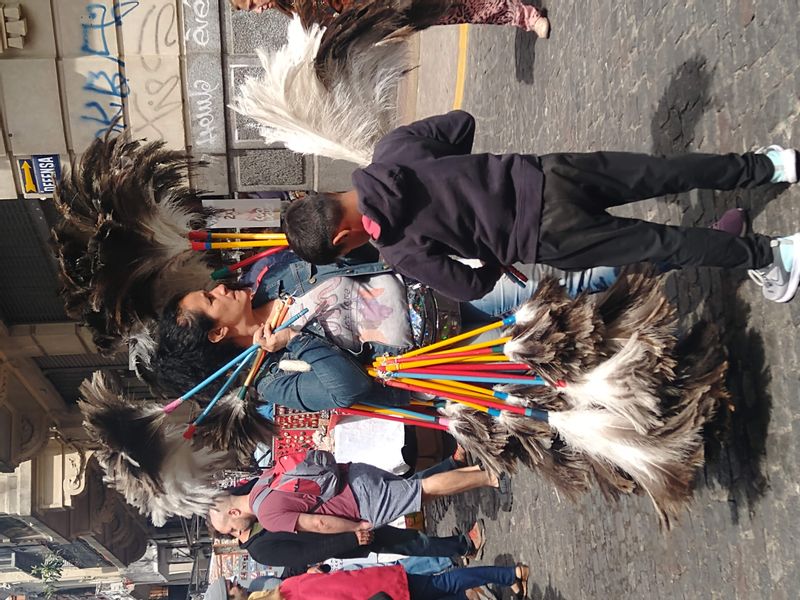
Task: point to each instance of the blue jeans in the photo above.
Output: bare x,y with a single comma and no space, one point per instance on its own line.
448,464
413,565
507,295
425,565
453,584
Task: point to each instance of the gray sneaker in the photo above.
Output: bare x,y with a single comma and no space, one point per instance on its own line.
778,284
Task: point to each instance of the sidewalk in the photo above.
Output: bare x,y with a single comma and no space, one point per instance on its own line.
664,78
431,87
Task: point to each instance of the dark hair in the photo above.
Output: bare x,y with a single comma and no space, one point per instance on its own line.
242,489
310,224
185,356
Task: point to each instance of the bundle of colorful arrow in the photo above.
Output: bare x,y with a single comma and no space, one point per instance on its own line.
595,389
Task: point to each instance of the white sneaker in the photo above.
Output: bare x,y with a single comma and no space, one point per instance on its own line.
778,284
784,161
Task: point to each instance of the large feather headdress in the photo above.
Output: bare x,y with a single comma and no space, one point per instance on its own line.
333,91
145,457
121,247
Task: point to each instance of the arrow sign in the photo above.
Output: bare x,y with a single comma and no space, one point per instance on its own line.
26,172
40,173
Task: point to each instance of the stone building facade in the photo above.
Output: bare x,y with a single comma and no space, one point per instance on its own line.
163,69
69,71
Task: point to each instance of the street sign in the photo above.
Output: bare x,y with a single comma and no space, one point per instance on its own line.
40,173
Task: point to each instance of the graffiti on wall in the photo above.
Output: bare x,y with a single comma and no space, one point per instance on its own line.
105,88
202,94
158,102
199,16
147,82
201,19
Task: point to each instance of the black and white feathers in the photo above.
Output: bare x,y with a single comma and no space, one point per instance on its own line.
121,247
630,400
333,91
145,457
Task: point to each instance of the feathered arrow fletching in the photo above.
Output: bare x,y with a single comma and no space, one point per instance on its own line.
145,457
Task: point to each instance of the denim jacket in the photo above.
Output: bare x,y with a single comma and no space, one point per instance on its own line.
336,378
286,274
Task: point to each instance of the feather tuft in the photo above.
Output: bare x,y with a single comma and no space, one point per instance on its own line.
121,246
145,457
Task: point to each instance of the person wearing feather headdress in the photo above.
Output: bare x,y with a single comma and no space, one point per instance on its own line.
357,311
426,197
453,12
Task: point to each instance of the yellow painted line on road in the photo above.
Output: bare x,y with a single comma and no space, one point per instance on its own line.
461,67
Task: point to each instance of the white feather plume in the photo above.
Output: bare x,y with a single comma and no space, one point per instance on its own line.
617,385
293,107
662,466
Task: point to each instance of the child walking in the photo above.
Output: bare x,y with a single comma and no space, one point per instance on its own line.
426,198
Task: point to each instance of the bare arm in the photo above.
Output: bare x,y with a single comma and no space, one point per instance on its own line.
329,524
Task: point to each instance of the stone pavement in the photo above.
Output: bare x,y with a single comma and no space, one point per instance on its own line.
657,76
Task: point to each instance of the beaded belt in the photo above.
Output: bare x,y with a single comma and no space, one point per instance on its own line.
433,317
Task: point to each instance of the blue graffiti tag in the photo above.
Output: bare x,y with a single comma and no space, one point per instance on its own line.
106,84
99,21
104,118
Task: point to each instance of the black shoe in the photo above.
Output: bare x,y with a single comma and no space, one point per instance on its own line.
505,491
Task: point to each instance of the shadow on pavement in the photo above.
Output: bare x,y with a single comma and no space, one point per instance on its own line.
524,56
737,465
525,50
481,503
548,593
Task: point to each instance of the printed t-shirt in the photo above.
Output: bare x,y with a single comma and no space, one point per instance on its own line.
355,310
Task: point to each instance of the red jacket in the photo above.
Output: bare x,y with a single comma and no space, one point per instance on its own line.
361,584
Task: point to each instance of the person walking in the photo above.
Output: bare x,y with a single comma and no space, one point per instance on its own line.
339,498
513,13
394,583
426,198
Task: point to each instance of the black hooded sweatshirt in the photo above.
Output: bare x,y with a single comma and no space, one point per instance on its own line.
432,198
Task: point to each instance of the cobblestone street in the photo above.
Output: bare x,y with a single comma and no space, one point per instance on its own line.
663,77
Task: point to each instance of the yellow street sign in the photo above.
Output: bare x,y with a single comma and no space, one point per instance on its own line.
26,170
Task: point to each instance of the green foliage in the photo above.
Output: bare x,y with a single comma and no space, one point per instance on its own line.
49,571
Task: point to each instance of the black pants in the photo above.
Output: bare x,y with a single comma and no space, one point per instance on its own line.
577,232
411,542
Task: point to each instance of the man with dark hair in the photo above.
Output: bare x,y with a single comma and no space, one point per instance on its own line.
426,198
365,497
312,222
